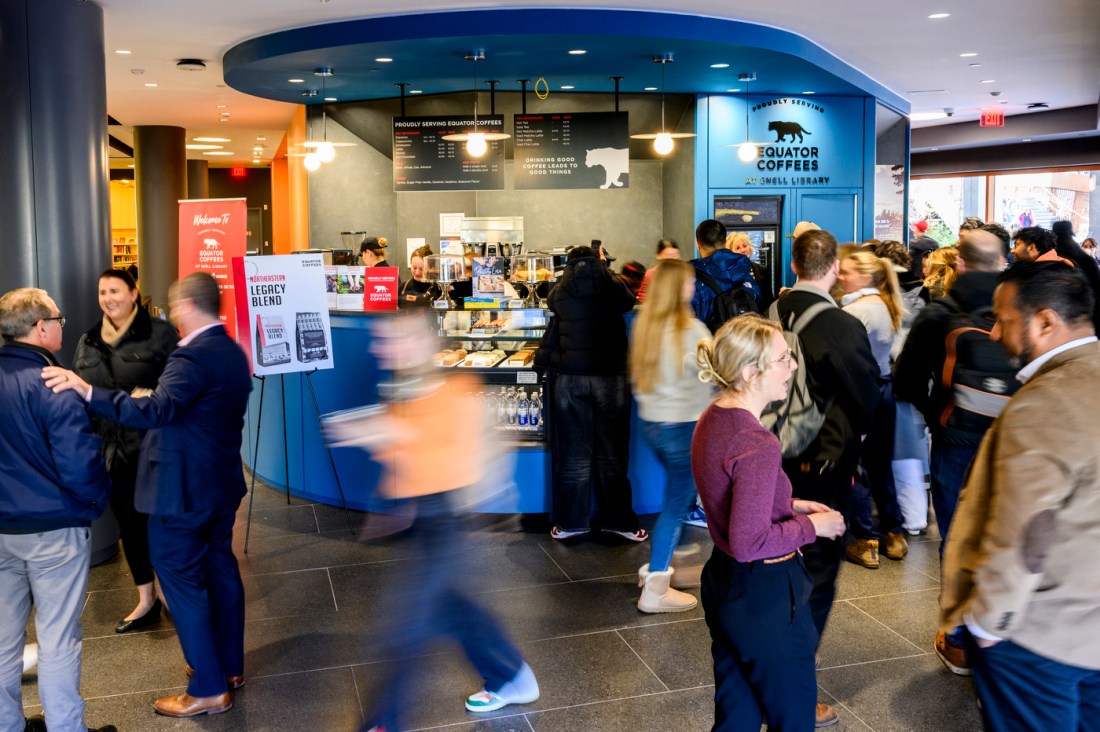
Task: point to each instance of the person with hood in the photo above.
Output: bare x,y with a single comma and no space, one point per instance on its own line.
718,270
585,351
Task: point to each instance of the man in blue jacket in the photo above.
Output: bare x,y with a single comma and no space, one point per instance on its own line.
718,270
52,485
190,482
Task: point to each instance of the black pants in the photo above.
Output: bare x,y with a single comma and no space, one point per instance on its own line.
133,525
822,558
763,642
590,451
876,484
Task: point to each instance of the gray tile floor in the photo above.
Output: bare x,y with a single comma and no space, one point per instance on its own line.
317,603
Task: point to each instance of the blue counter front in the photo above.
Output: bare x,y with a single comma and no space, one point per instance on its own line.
292,453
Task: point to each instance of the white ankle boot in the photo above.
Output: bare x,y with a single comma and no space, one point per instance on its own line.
657,594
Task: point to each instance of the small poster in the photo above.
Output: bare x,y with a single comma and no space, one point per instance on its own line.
349,287
330,285
282,313
488,276
380,289
212,232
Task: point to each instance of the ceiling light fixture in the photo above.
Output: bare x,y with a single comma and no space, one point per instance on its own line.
663,141
926,116
211,139
747,151
937,16
719,66
202,147
975,66
296,81
218,152
150,83
967,55
477,143
987,81
651,88
808,92
568,87
732,91
415,91
122,52
384,60
577,52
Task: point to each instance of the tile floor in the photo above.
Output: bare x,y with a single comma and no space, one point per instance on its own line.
317,603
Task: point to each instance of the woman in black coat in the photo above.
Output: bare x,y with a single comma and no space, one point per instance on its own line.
126,350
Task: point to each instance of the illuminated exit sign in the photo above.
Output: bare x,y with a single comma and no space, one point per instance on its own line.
239,172
992,118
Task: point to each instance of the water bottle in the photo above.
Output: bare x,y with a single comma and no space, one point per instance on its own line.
522,408
502,407
535,411
490,405
511,399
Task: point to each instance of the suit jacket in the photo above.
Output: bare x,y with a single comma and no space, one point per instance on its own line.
1021,555
191,454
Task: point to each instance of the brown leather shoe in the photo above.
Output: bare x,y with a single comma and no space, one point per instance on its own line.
863,552
185,705
826,716
894,545
234,682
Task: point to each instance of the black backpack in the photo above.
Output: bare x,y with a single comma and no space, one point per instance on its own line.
977,377
727,304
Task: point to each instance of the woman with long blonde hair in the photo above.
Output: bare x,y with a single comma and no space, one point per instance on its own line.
755,586
873,296
941,271
670,399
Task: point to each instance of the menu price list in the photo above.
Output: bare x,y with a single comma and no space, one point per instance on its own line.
571,150
424,161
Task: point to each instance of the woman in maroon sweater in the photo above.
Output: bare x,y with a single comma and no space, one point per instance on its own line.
755,588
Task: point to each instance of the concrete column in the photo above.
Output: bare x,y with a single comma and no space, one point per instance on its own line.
54,194
198,179
160,164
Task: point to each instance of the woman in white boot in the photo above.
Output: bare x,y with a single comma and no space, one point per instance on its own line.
670,398
756,589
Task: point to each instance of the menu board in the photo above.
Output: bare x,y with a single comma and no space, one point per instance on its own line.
424,161
575,151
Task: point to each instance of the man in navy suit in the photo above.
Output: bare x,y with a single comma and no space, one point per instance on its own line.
190,482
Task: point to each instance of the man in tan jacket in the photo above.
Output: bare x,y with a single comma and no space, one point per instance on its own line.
1020,567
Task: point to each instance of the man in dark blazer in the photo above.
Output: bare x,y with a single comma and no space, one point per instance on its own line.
190,481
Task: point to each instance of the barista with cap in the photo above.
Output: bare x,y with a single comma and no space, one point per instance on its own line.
372,252
601,252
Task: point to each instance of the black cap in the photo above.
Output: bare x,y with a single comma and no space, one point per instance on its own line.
601,251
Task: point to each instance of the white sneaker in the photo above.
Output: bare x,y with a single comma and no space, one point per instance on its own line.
523,689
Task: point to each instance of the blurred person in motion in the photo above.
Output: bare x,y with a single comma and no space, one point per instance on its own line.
126,350
633,274
666,249
670,398
756,588
432,464
52,486
1018,568
190,481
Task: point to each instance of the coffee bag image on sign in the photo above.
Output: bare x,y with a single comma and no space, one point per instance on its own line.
272,347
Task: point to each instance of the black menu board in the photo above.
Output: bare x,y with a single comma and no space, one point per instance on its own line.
583,150
424,161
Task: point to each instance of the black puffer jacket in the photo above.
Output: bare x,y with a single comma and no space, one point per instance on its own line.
137,360
587,335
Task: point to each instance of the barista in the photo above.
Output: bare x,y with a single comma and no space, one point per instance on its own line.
372,252
415,290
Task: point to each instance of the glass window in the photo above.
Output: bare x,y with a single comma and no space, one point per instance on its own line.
945,203
1040,199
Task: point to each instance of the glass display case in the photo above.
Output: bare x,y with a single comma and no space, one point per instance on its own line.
499,345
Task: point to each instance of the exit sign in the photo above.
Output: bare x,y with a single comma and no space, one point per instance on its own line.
237,171
992,118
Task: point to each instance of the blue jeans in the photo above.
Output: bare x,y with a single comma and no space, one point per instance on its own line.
947,469
671,441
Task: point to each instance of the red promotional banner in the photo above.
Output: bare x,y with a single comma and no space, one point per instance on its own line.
380,288
213,232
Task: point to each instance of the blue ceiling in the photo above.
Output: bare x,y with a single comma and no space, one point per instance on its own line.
428,52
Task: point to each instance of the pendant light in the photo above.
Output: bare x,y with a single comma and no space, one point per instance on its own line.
663,141
312,160
477,143
747,151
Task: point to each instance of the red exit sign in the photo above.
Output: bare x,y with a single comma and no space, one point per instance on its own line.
237,171
992,118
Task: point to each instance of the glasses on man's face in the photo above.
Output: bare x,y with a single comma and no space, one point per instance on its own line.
60,320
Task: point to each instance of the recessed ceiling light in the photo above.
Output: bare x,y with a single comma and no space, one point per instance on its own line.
219,152
987,81
258,148
732,91
808,92
651,88
577,52
129,166
224,119
384,60
567,86
137,72
296,81
203,147
967,55
330,99
150,83
719,66
122,52
1004,101
1026,139
937,16
211,139
259,139
415,91
222,106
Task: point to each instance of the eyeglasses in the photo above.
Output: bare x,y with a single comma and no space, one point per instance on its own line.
60,320
785,359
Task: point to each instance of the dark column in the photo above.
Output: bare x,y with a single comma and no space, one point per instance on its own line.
198,179
54,196
160,171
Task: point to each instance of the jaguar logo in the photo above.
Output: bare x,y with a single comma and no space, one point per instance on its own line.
782,129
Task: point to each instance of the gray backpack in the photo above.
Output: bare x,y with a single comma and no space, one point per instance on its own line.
796,420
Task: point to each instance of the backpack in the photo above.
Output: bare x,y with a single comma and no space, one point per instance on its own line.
977,376
727,304
797,420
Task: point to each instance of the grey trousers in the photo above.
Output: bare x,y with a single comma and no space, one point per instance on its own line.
51,568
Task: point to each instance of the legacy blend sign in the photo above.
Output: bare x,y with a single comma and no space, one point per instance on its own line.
424,161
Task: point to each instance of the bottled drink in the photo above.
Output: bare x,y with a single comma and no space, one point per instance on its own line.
502,407
511,399
522,408
534,416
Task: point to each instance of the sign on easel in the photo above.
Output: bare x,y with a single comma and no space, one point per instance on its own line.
282,313
212,231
